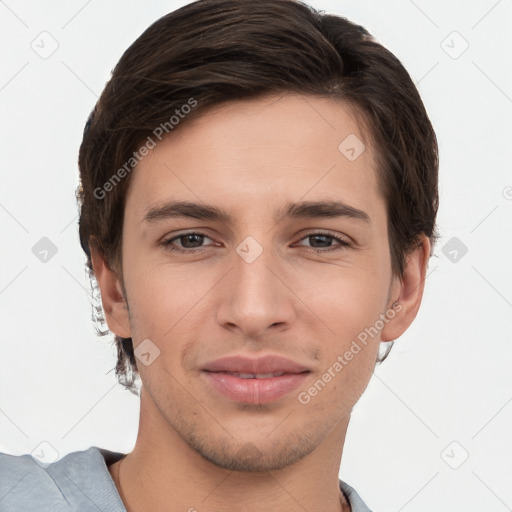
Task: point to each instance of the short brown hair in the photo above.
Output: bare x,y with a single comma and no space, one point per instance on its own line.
214,51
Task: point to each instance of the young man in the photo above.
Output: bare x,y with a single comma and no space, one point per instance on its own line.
258,199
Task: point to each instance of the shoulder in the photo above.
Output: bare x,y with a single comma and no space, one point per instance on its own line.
23,482
356,502
79,479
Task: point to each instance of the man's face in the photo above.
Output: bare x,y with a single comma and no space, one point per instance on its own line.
261,287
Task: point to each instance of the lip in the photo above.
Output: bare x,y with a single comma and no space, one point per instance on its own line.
263,364
219,376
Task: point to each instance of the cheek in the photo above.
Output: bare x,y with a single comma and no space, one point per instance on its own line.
339,384
347,299
163,298
349,354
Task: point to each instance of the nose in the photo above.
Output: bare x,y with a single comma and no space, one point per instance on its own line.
256,295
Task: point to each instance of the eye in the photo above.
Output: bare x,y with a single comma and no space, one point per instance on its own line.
325,241
190,242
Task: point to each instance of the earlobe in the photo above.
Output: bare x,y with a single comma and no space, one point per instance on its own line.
411,289
112,299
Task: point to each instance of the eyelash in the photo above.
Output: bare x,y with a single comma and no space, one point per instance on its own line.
343,244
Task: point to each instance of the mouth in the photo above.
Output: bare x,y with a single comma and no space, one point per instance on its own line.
254,380
255,375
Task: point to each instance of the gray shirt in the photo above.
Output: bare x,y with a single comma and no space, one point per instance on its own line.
79,481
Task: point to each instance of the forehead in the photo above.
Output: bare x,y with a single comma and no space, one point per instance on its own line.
254,153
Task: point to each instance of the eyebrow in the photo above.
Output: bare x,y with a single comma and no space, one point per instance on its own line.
303,210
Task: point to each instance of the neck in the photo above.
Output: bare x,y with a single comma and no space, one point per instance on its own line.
164,473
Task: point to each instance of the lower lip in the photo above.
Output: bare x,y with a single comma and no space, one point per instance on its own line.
254,391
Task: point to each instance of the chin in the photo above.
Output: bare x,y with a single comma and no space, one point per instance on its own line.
256,455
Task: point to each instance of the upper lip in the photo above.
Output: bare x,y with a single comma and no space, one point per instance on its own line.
256,365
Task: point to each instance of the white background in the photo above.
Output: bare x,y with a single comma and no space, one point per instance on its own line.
447,379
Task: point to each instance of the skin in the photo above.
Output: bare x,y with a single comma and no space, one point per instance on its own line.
196,449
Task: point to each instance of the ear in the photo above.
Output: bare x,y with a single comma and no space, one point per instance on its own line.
112,298
408,291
